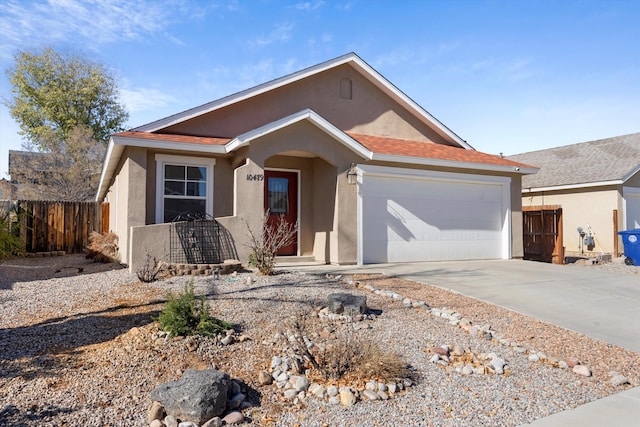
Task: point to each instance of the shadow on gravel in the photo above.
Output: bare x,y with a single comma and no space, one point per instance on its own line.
10,415
328,285
40,349
31,269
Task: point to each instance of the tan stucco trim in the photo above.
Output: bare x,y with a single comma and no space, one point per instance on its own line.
308,115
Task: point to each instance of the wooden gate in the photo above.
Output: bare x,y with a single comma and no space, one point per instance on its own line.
542,233
59,226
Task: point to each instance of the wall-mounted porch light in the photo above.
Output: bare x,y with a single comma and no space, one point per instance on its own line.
352,174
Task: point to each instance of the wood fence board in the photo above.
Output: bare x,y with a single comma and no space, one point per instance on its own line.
59,226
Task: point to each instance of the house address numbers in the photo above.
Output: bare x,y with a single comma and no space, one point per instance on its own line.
255,177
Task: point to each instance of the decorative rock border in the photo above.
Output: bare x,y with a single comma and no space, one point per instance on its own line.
285,373
487,332
229,266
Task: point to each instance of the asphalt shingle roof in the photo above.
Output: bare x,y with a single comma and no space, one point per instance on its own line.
609,159
401,147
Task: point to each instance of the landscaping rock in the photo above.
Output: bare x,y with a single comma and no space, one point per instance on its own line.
370,395
572,361
498,365
347,398
582,370
264,378
343,303
233,418
213,422
618,380
156,412
170,421
198,396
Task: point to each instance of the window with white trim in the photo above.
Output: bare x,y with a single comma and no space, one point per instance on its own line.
183,184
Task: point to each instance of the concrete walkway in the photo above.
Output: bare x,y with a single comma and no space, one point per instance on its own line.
601,304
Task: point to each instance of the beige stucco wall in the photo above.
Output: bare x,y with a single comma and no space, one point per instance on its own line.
369,111
517,245
593,206
127,198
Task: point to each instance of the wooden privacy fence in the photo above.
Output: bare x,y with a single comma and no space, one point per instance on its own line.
59,226
542,233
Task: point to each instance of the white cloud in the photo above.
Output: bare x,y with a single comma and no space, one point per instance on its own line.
309,5
143,99
281,33
95,22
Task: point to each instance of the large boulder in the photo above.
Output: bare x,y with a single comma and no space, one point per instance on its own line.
347,304
198,396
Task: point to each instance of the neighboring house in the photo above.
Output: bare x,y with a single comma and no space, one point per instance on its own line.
28,171
369,175
596,184
5,196
5,189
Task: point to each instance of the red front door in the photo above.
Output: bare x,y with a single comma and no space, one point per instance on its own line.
281,199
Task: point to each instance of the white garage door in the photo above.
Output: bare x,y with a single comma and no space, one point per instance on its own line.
632,207
431,216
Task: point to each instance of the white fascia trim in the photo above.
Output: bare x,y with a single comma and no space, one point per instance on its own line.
111,160
571,186
630,174
367,71
450,163
307,114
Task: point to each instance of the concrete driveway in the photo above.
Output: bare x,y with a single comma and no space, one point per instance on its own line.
598,303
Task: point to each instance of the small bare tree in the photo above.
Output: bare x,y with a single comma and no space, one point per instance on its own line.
268,240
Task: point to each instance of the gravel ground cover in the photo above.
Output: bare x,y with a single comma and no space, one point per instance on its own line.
78,346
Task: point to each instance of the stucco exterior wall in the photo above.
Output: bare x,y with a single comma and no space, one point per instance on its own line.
593,206
127,198
517,239
308,138
368,111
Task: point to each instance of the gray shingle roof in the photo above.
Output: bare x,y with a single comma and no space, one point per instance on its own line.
607,159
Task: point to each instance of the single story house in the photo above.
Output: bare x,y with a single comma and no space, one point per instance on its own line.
368,174
596,184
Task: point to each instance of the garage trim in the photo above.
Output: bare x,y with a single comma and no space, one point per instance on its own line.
429,175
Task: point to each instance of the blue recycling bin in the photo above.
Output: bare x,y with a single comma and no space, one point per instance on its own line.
631,242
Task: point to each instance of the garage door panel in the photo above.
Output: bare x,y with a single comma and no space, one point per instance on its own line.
406,219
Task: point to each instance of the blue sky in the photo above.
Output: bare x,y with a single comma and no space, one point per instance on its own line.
506,75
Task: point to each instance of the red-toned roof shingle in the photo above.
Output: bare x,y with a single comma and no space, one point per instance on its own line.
402,147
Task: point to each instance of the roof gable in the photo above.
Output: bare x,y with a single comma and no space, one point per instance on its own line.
605,161
351,59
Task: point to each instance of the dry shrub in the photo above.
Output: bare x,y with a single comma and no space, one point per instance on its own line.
349,357
103,247
267,240
149,271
